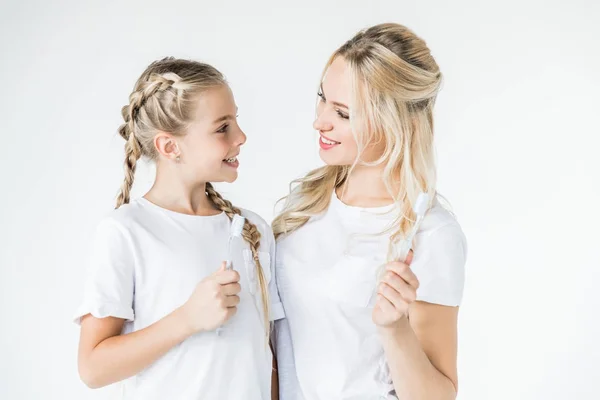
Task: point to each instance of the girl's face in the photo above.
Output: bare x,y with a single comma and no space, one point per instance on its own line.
336,141
209,150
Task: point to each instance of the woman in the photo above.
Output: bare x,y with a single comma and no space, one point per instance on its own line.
352,333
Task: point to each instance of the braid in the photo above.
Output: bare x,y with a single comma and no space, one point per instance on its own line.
133,152
252,236
133,148
156,83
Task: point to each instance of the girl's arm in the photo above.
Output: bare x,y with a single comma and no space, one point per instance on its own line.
106,356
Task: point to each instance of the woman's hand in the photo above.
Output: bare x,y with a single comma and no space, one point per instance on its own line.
397,290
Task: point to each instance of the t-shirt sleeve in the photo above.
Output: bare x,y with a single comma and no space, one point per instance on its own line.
109,287
439,264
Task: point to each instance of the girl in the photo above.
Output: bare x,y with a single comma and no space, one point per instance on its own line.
354,334
157,289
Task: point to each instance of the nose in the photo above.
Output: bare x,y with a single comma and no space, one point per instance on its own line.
322,122
240,138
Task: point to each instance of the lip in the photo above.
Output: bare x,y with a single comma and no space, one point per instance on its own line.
233,164
325,146
328,138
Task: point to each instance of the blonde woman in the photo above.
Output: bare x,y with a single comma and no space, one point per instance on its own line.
350,332
160,311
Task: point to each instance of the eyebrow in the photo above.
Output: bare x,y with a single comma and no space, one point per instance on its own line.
225,117
335,103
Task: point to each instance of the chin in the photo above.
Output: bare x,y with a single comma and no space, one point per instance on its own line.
333,160
230,178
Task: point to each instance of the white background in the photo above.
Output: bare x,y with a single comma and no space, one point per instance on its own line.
517,142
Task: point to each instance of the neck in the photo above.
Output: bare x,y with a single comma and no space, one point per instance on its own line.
365,187
172,192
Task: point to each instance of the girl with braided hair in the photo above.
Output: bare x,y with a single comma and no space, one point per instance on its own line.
158,292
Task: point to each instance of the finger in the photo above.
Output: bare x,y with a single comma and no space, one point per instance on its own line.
384,304
409,257
227,276
400,305
231,301
404,271
231,289
230,312
408,292
222,268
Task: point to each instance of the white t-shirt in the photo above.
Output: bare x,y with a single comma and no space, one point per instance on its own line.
326,273
146,261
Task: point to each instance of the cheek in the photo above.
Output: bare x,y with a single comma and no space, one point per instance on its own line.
349,148
219,148
373,152
206,150
344,154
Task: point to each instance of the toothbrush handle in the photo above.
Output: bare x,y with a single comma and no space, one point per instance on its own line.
406,246
228,265
404,250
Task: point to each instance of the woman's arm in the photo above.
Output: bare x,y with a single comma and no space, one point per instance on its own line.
419,338
421,353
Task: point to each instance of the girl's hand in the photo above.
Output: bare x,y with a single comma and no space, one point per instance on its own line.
213,302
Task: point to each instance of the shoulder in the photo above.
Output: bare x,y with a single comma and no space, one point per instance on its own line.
123,220
440,258
442,227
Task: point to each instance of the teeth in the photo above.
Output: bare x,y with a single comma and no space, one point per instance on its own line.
231,160
326,141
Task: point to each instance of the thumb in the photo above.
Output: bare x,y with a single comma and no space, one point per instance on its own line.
409,258
222,268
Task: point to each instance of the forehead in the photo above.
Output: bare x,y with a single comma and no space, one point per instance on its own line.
214,103
336,82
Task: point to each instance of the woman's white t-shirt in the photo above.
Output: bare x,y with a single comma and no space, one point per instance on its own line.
146,262
326,273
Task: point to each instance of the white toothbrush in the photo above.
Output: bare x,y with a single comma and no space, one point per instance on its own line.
400,253
237,227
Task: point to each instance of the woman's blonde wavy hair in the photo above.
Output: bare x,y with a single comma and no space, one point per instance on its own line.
395,81
164,99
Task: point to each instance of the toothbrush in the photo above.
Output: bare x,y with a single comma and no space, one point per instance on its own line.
237,227
420,209
400,253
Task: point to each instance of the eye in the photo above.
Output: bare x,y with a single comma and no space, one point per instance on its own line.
342,115
321,95
223,129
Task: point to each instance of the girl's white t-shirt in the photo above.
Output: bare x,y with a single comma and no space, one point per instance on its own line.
146,261
326,273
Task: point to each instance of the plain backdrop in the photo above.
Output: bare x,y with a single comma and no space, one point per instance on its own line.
517,137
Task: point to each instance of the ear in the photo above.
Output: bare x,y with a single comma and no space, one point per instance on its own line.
167,146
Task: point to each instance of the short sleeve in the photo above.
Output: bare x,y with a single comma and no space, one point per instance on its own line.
109,287
276,306
439,264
